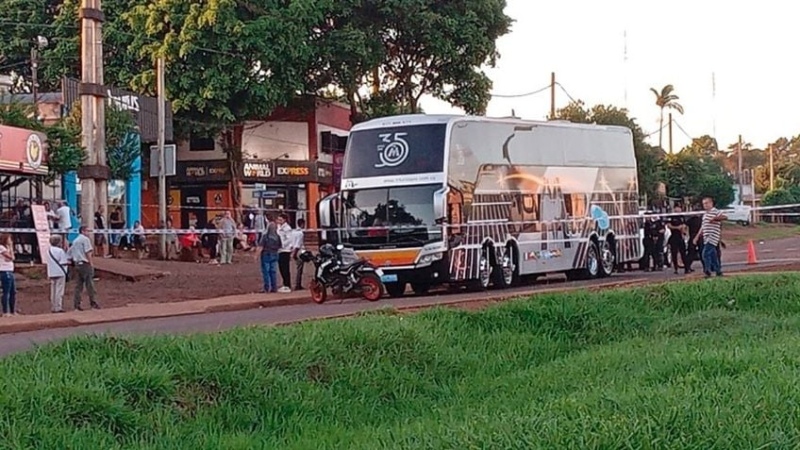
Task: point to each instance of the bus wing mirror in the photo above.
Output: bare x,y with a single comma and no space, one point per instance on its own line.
440,205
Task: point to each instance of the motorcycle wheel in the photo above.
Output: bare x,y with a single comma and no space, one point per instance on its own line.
371,288
318,292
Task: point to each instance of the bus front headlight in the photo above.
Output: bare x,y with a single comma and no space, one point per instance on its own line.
428,259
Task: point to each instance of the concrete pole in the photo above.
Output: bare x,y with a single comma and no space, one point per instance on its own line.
94,173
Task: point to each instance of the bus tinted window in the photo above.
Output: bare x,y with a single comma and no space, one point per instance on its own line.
395,151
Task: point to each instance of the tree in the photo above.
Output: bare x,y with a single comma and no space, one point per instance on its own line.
58,21
777,197
227,61
122,149
411,48
665,99
691,176
647,157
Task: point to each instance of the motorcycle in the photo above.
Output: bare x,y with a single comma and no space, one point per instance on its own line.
358,276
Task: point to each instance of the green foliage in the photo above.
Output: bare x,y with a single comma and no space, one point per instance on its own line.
648,158
686,365
65,153
122,148
778,197
416,47
693,177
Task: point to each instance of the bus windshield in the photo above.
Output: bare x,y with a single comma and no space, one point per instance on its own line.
368,213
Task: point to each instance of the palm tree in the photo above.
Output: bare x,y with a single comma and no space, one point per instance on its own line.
666,99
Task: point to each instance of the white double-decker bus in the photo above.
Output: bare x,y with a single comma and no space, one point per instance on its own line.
479,201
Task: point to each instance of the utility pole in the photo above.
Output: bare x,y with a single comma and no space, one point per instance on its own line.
162,166
552,95
741,178
771,170
94,173
670,133
39,43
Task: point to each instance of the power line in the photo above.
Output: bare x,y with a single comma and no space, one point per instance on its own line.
681,129
526,94
564,90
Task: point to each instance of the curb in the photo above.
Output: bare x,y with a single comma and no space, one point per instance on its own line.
144,311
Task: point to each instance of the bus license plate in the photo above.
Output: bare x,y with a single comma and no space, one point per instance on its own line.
389,278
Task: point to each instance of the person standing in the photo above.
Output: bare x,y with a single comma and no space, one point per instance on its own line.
57,273
80,253
677,245
99,231
284,254
693,223
259,224
117,223
64,220
267,255
227,228
7,275
711,233
297,248
653,243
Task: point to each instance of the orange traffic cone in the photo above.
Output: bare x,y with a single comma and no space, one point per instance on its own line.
751,253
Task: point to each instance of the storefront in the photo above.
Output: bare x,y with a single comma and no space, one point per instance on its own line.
199,191
23,161
286,186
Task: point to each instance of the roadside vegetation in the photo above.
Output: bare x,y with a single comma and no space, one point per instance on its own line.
710,364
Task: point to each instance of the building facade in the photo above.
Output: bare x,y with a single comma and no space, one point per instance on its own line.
287,165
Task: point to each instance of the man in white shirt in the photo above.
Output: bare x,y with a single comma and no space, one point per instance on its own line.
80,253
64,220
57,273
285,253
228,228
297,248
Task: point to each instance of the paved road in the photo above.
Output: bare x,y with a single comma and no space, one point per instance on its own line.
12,343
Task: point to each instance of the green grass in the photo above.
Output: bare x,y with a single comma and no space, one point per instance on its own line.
759,232
708,365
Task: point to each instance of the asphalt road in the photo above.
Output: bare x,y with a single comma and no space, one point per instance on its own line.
780,253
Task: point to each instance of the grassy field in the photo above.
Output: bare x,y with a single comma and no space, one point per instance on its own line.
738,234
708,365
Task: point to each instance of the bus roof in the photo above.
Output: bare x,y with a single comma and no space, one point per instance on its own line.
423,119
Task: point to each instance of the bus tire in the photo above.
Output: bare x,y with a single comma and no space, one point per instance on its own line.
395,289
608,257
591,269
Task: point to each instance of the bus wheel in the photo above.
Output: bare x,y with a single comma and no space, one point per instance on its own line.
395,289
513,257
608,259
484,269
503,271
592,268
420,288
593,262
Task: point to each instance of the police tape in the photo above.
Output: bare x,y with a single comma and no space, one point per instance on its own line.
544,224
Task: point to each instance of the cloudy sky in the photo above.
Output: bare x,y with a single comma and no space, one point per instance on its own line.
747,46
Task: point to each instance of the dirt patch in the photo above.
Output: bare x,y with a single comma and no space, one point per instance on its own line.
185,281
737,234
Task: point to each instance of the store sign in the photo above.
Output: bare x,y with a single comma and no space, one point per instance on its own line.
202,171
22,151
283,171
257,170
293,171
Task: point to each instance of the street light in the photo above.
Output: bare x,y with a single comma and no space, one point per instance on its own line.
40,43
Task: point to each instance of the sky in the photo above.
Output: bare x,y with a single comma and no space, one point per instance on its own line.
748,46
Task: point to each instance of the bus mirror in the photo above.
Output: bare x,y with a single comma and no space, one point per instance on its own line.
327,211
440,205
